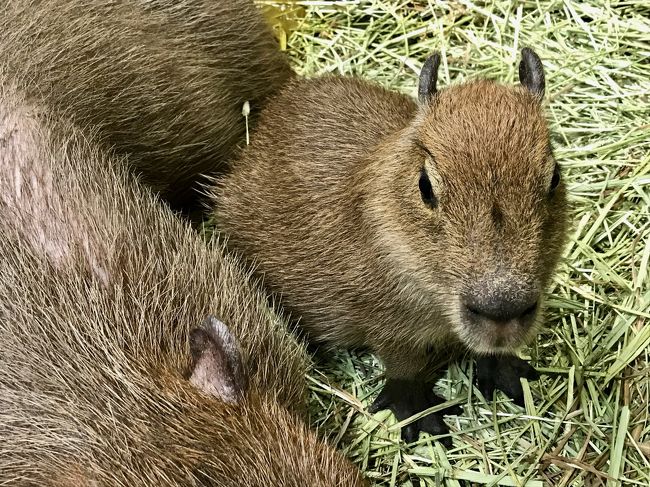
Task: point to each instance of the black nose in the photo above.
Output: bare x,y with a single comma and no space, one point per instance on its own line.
502,308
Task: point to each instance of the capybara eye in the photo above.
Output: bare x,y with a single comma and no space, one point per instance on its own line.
426,191
555,181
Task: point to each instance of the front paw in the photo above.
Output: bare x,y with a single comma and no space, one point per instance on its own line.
503,373
406,398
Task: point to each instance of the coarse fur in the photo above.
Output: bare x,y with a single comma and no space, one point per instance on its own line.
162,80
327,203
101,289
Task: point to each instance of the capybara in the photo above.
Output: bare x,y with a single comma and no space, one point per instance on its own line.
415,229
163,81
133,354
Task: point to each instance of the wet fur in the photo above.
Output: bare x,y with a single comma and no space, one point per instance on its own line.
161,80
100,289
326,203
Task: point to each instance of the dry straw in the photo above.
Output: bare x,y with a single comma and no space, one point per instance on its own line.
586,422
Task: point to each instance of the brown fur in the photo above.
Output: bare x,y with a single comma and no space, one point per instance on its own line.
326,202
163,81
100,289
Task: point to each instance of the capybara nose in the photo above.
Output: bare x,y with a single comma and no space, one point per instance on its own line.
502,308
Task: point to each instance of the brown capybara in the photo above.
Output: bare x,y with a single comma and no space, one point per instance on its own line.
414,229
163,81
132,353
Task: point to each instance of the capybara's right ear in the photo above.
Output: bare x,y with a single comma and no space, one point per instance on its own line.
427,86
217,365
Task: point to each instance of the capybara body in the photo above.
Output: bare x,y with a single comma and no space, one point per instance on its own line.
415,229
107,375
163,81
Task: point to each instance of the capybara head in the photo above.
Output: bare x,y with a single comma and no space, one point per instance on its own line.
479,204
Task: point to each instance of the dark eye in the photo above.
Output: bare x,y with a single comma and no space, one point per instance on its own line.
555,181
426,191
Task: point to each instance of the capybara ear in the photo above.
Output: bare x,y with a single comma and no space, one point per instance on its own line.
429,78
531,72
217,365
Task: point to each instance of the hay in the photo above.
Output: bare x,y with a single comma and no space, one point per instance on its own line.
586,421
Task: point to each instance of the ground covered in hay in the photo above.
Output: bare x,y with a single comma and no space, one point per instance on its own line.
586,422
